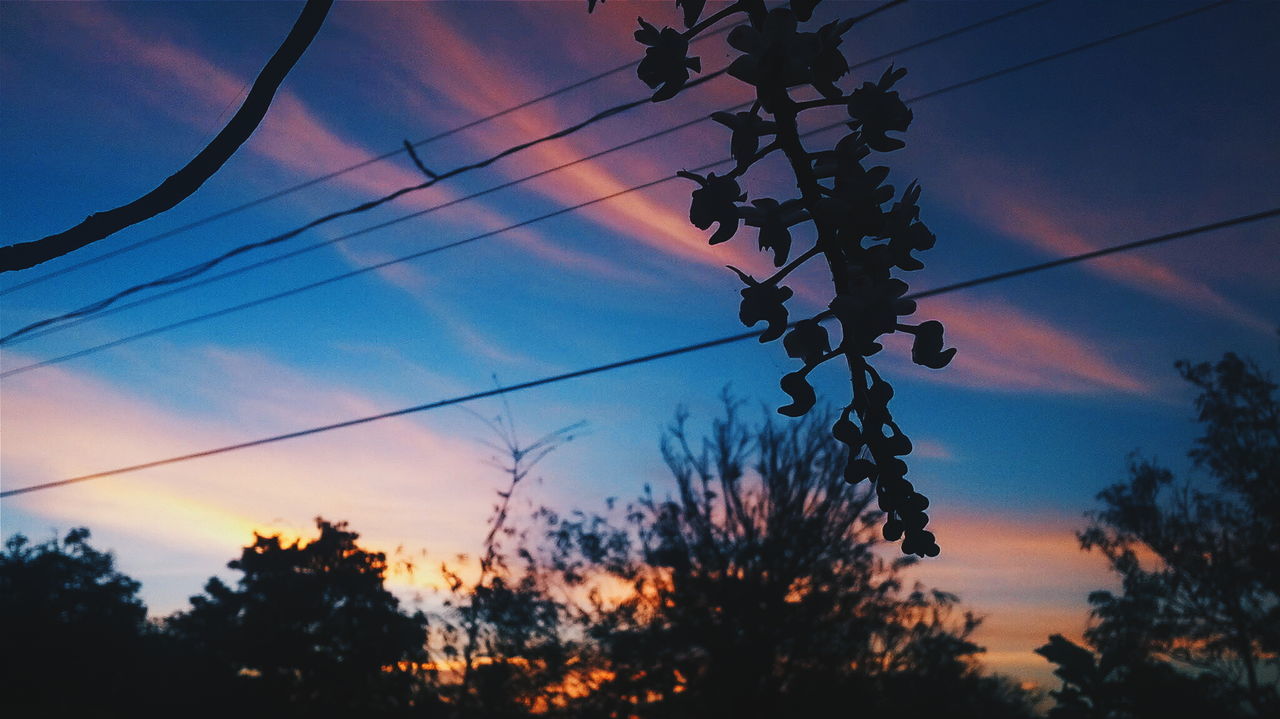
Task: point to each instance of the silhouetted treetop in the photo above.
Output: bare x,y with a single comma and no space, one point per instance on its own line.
71,628
1199,605
310,625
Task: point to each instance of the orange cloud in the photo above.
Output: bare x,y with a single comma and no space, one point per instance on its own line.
1025,573
434,489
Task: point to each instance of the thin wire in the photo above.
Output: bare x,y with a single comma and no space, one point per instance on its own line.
331,175
409,147
686,349
193,270
369,268
202,267
26,335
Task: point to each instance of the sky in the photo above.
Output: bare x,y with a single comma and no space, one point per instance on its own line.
1060,375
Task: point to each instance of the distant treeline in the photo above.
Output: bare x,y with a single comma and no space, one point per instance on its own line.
752,589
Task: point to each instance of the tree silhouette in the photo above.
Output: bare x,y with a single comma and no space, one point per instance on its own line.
1198,567
842,200
72,628
311,628
756,590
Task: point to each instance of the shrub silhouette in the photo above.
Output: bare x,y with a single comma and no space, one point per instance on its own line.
863,245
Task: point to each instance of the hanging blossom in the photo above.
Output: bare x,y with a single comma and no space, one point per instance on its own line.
865,241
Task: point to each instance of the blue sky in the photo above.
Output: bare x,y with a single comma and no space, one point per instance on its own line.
1059,375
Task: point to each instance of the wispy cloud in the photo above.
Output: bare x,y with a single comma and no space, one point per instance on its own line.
433,489
649,218
193,89
1013,201
1005,348
985,559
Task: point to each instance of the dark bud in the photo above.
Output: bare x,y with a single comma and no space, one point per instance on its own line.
914,521
859,469
763,303
774,221
847,433
927,350
747,128
829,63
807,342
692,9
915,502
714,202
804,9
802,395
880,110
892,530
665,65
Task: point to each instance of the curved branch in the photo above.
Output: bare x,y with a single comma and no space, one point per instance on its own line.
181,184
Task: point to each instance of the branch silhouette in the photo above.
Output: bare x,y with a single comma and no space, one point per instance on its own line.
183,183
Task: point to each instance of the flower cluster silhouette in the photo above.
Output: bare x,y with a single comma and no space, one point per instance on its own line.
863,244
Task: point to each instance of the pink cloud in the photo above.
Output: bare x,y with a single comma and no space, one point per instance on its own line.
430,42
1011,200
434,488
986,559
931,449
1005,348
194,89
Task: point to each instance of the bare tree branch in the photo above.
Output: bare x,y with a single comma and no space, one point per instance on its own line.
180,185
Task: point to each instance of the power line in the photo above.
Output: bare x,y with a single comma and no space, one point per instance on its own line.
408,147
336,173
193,270
369,268
202,267
30,332
686,349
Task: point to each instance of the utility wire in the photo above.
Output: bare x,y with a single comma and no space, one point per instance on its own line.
409,147
369,268
27,334
686,349
334,174
202,267
193,270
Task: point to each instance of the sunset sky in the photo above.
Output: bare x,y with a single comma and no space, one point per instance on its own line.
1059,375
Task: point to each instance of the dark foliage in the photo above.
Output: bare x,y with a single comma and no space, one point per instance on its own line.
309,627
755,591
72,628
1195,630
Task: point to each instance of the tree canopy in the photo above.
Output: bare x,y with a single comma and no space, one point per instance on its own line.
309,625
71,625
1196,626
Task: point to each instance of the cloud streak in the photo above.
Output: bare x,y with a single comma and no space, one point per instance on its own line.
433,488
985,560
1015,206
